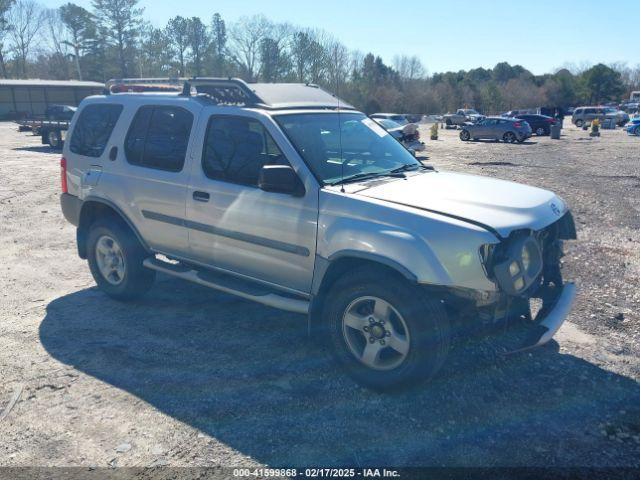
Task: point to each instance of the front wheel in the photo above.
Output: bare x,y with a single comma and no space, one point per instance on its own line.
386,332
540,131
465,135
638,131
115,259
579,123
509,137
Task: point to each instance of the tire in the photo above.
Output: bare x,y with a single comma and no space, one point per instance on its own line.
416,323
541,131
579,123
465,136
54,139
113,247
638,131
448,122
509,137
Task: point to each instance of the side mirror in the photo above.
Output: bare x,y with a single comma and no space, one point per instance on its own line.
280,179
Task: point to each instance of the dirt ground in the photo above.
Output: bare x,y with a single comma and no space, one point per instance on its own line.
188,376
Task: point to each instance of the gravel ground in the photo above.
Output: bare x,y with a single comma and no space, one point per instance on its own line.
188,376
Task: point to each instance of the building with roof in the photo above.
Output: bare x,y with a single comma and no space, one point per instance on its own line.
28,98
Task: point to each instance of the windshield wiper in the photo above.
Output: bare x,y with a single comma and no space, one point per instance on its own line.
409,167
367,176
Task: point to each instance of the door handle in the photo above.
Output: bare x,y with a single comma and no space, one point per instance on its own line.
113,154
201,197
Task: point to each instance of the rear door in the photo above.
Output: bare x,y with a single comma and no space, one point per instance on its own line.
236,226
152,175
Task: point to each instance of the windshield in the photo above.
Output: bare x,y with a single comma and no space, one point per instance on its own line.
471,112
343,146
388,124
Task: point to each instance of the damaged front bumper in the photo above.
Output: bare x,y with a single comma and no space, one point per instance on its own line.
550,319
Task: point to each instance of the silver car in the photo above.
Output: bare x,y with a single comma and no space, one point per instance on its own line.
509,130
284,195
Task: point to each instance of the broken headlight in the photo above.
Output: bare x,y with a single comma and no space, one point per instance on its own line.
519,265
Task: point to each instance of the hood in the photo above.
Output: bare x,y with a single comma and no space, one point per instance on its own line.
497,205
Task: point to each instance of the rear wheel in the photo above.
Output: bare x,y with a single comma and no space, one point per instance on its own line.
509,137
465,136
54,139
638,131
540,131
115,259
386,332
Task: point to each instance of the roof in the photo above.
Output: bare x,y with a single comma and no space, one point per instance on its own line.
49,83
233,91
296,95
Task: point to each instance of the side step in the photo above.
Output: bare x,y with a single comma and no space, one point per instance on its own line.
232,285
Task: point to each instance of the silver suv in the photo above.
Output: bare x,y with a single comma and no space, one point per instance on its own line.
287,196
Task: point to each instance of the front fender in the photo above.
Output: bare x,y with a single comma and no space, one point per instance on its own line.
397,248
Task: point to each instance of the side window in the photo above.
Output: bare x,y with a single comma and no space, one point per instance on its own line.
236,149
93,129
158,138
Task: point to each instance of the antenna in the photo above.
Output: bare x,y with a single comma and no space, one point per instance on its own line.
342,160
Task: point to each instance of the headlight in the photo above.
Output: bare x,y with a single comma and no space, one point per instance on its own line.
521,265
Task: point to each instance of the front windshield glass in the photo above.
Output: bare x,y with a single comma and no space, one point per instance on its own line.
344,146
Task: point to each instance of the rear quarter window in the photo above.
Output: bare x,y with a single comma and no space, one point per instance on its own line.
93,129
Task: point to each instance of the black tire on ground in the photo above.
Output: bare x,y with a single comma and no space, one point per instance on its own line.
540,131
448,122
579,123
425,318
53,138
509,137
638,131
465,136
136,279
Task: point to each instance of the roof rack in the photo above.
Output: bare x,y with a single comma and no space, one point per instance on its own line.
236,92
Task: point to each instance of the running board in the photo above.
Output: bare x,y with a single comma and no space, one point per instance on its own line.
232,285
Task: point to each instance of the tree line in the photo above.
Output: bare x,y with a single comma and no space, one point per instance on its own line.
113,40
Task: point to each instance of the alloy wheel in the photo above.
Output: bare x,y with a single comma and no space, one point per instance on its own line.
376,334
110,260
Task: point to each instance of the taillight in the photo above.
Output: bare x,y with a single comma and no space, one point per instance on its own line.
63,175
517,125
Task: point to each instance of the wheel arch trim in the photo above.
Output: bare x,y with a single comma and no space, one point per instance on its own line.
82,232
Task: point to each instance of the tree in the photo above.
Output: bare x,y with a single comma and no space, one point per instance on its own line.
218,43
5,27
58,58
119,23
178,33
198,41
26,19
602,83
246,37
80,26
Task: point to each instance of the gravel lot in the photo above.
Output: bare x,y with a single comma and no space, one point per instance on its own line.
193,377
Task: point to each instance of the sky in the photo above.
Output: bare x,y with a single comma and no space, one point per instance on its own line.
446,34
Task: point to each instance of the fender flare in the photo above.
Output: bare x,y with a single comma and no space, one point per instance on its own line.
82,229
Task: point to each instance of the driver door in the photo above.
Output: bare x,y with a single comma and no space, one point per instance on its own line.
236,226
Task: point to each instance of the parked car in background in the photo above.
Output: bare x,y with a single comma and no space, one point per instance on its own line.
407,135
62,113
396,117
509,130
584,115
518,113
633,127
622,117
540,124
461,117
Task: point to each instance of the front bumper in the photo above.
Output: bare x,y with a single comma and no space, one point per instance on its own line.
552,321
